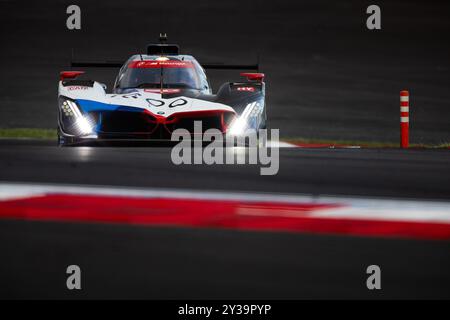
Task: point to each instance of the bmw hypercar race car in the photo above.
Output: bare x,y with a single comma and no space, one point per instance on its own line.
153,95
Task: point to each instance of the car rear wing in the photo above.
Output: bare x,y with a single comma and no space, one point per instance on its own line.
96,64
220,66
162,48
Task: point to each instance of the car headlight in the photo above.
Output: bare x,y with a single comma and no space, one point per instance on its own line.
73,121
84,125
70,109
241,123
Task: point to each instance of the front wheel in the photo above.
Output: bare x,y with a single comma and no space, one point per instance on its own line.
64,141
60,141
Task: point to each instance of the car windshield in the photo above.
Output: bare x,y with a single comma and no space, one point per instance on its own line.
159,74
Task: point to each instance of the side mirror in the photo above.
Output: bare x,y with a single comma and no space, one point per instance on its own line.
259,77
63,75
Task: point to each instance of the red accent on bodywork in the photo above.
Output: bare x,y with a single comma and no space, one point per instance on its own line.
69,74
160,64
253,76
157,118
199,114
174,117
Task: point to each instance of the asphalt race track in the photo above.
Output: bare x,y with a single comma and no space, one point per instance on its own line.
422,174
123,261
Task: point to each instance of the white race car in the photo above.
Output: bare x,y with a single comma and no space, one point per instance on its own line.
154,94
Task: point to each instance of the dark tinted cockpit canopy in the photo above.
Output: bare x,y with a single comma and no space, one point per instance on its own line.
160,72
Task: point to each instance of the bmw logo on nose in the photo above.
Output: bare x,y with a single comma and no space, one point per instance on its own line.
161,112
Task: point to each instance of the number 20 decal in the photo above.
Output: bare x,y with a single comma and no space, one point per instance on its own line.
177,103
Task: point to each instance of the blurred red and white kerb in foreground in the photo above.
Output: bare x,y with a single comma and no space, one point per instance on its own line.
227,210
404,119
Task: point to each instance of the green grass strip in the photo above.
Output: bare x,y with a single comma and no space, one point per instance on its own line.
30,133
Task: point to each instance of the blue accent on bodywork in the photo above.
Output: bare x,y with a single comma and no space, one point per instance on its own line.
99,123
89,106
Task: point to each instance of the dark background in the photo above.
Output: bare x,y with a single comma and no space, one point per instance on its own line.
328,76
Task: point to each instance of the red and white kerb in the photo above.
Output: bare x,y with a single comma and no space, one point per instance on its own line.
206,209
404,119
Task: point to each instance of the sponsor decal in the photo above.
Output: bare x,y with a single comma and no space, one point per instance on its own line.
162,91
247,89
161,64
72,88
